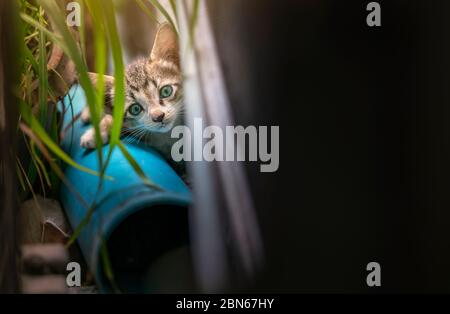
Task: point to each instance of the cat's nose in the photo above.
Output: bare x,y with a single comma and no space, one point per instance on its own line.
157,116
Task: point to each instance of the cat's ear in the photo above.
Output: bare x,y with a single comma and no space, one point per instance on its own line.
165,46
109,80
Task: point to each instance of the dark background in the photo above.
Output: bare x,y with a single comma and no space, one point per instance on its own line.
364,138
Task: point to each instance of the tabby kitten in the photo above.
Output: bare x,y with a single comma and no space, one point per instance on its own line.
153,98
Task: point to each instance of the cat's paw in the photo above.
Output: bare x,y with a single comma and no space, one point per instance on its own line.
85,115
87,140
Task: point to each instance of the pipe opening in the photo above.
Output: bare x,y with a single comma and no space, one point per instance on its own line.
150,253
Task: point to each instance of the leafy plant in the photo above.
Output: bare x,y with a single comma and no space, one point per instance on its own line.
44,27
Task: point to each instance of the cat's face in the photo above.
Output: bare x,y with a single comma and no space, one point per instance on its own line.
154,87
153,95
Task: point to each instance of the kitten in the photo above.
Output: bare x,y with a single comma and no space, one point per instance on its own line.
153,96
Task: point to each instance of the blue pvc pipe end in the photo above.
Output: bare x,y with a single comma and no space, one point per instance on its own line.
120,198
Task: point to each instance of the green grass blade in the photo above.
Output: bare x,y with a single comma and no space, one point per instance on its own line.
146,10
45,138
33,166
43,78
22,170
96,11
136,167
20,177
119,96
30,57
107,266
119,72
33,169
83,223
173,5
193,21
82,29
119,80
164,12
40,163
55,168
71,49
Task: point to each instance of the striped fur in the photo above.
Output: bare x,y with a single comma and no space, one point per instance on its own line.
144,79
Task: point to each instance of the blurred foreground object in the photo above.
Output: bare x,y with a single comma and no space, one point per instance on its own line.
8,123
44,267
227,245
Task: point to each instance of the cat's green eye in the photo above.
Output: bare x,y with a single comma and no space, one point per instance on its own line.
166,91
135,109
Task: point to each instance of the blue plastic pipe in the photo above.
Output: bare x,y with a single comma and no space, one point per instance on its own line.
121,196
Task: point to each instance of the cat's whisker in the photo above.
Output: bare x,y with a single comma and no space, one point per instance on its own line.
139,132
140,137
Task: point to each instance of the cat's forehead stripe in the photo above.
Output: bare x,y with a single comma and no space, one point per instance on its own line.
168,71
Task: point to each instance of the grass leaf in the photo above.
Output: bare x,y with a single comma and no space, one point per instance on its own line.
83,223
136,167
71,49
193,21
43,78
147,10
164,12
40,131
173,5
119,73
107,266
